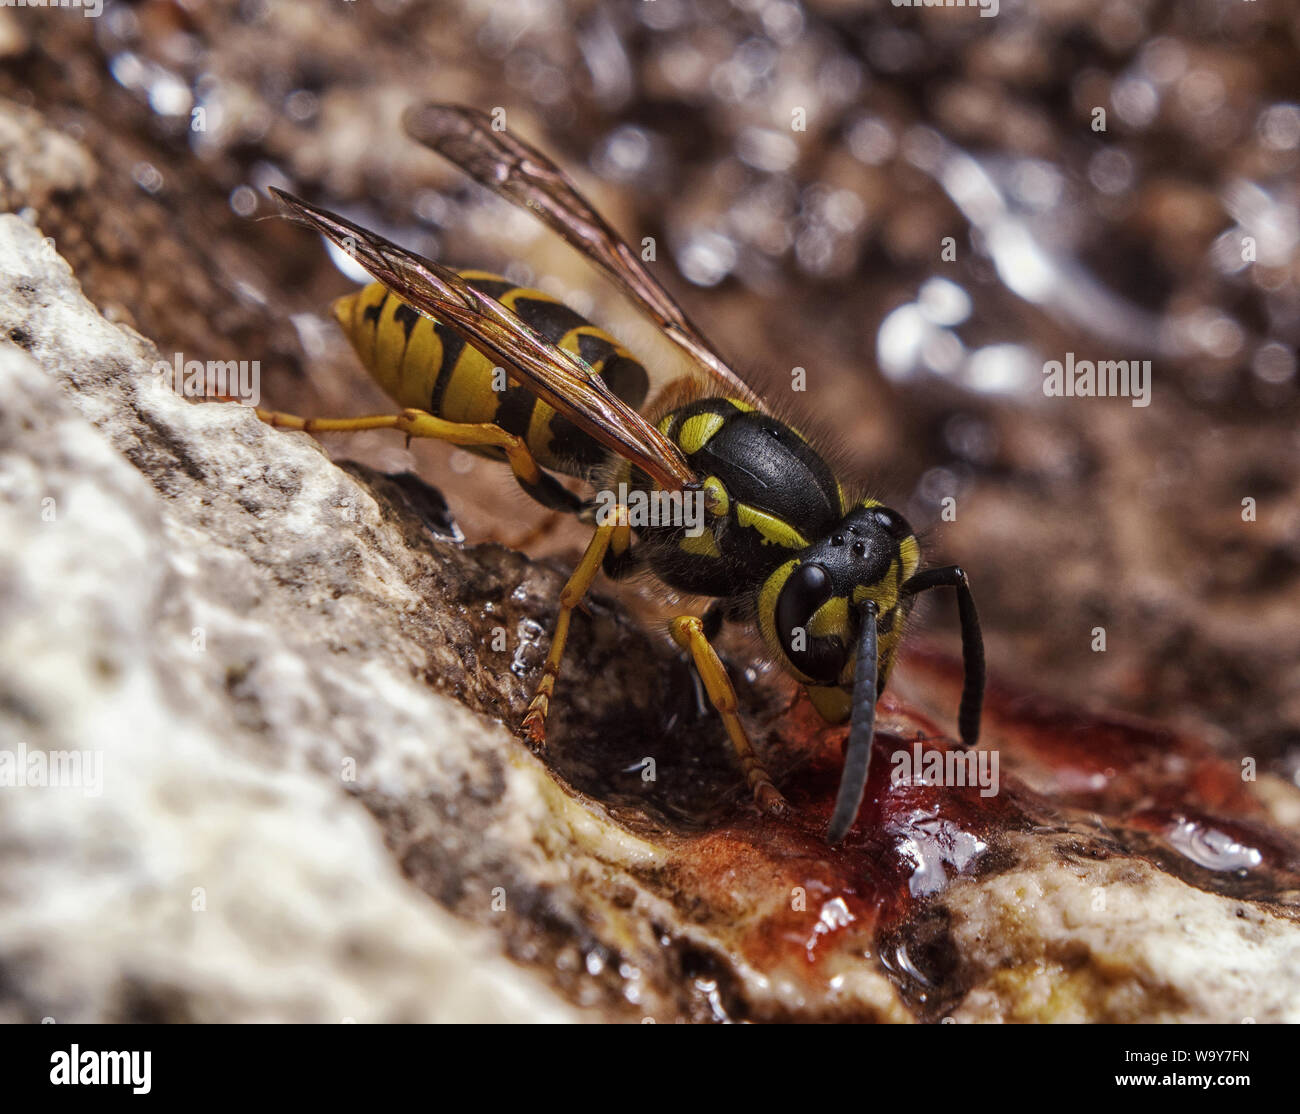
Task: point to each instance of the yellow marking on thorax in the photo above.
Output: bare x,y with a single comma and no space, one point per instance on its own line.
773,529
696,431
716,499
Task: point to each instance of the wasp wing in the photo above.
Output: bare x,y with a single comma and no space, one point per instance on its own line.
562,379
522,174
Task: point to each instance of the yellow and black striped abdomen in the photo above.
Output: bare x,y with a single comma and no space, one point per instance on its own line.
423,364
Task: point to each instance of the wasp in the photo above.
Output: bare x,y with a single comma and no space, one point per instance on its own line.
827,580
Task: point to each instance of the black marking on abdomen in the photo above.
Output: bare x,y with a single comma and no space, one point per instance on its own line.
407,317
554,320
495,287
452,347
370,315
516,410
623,375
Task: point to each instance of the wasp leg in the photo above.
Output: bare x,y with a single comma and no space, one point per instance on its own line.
419,423
972,644
621,560
606,536
688,633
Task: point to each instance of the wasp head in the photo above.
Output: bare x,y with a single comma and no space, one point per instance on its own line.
810,608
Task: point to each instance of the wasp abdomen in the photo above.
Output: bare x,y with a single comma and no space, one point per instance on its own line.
423,364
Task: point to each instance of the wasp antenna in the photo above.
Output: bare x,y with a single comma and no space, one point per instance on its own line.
862,729
972,644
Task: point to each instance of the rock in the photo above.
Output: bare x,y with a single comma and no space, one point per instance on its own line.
222,868
293,679
293,683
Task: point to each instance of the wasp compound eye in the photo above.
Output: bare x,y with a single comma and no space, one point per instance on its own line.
821,658
894,523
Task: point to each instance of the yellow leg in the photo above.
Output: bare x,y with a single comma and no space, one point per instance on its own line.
574,589
620,541
688,633
419,423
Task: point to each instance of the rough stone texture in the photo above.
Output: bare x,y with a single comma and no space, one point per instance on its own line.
255,640
225,872
1118,941
1124,872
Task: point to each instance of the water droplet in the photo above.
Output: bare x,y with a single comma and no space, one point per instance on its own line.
1212,848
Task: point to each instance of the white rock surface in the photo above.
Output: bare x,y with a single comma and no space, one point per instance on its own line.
223,870
248,638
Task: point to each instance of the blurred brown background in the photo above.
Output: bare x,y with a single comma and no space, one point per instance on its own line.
818,248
